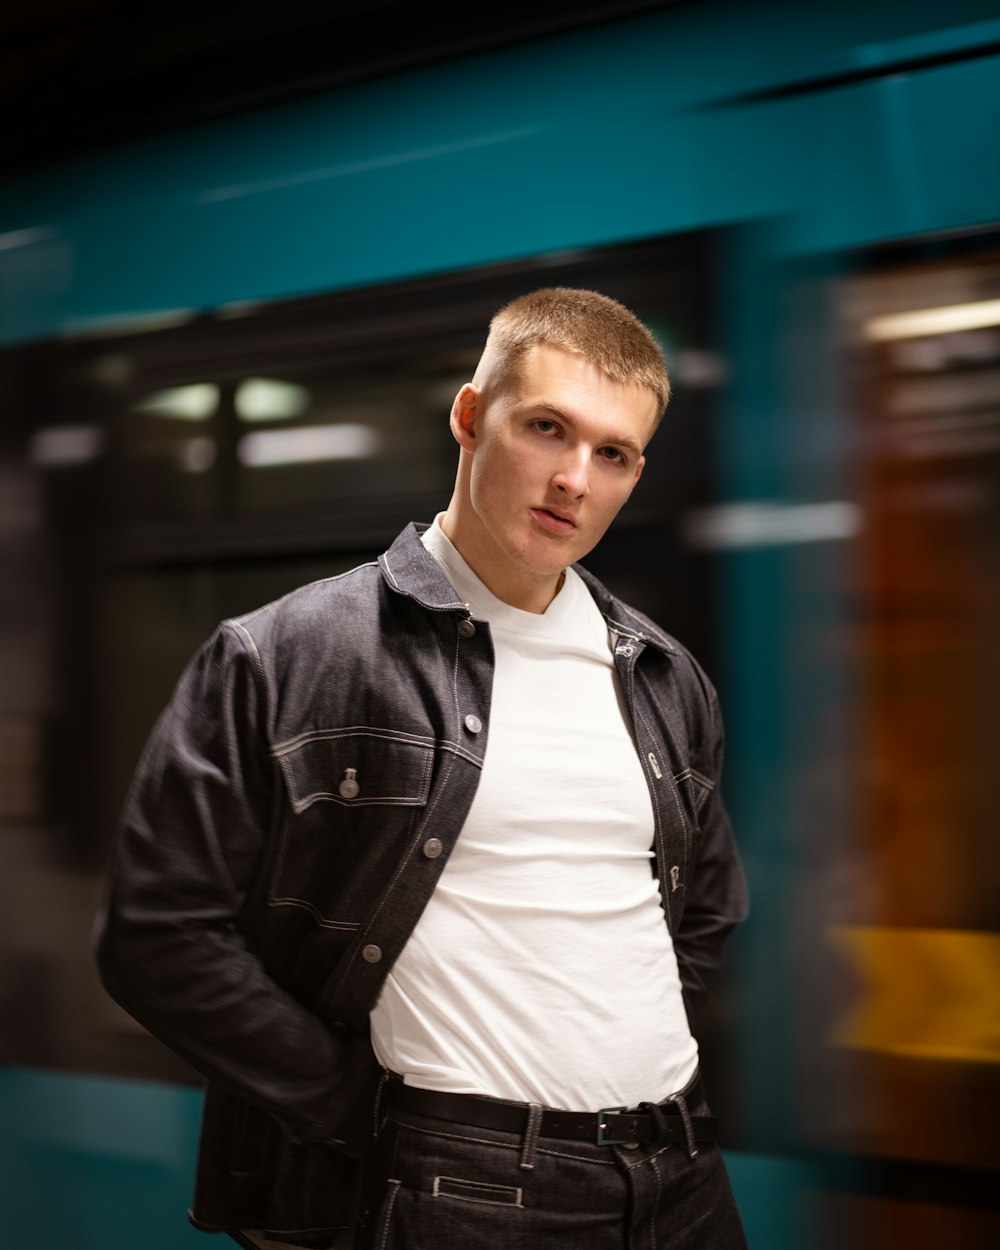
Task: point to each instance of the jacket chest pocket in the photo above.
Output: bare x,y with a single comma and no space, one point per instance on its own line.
695,787
688,791
353,797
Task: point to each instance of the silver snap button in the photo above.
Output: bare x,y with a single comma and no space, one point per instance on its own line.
473,724
433,847
371,954
349,788
466,629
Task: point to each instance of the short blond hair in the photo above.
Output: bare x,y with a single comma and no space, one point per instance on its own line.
584,322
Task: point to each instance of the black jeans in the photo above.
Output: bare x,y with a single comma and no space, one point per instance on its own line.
437,1185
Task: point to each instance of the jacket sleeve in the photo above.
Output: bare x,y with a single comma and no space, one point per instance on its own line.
168,941
717,894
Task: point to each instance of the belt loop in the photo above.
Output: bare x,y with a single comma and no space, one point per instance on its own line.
680,1102
377,1106
529,1142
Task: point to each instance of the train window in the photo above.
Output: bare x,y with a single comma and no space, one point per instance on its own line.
321,423
290,442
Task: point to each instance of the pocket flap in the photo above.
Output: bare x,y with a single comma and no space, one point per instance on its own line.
356,767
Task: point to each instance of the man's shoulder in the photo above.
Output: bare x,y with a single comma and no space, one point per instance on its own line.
300,639
346,615
300,607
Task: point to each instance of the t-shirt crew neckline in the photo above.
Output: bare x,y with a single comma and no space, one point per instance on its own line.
557,619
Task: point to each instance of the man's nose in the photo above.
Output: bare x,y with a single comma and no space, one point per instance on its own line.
572,475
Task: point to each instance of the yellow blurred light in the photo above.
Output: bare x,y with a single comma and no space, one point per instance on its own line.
926,993
60,445
754,523
269,399
948,319
196,402
346,441
196,455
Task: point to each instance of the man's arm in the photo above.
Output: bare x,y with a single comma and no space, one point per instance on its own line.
717,893
168,943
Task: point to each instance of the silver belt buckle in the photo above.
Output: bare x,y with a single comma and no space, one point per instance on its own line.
602,1124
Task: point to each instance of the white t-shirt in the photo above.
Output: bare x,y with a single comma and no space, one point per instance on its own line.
542,968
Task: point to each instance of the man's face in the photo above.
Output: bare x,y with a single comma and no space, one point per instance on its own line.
553,457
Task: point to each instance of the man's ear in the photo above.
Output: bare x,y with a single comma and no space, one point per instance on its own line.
464,415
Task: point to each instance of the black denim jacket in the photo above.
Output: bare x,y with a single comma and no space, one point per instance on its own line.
289,818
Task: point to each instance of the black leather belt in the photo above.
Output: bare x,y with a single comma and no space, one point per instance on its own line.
646,1124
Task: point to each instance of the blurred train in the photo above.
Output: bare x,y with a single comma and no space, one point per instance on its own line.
227,356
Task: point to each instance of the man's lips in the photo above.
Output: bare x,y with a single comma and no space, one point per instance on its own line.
556,522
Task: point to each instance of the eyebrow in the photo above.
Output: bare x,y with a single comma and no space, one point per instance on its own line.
623,440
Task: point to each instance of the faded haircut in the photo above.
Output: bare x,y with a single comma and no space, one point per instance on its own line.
583,322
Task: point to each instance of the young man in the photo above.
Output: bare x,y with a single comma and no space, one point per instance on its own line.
472,966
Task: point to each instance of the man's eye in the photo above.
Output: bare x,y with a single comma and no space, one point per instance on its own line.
613,454
545,427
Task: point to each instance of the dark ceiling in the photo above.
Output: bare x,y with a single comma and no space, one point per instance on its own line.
79,74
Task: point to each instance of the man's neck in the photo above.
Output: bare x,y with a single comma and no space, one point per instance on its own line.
514,586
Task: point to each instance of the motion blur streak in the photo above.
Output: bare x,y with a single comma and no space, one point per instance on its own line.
926,993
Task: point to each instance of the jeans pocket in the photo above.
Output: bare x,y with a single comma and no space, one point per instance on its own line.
478,1191
435,1189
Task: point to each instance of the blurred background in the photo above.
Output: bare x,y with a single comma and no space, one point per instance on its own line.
247,255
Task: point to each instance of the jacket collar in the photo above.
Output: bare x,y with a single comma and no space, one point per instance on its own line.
622,619
410,569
